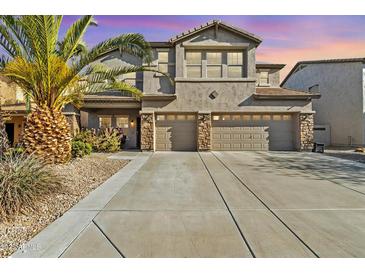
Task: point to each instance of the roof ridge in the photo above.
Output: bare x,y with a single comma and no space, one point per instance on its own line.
211,23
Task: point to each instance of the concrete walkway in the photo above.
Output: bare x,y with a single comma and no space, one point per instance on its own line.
220,204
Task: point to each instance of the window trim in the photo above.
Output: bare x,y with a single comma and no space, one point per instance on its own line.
158,62
223,64
218,64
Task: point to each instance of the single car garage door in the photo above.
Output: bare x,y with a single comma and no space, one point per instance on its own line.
176,132
252,132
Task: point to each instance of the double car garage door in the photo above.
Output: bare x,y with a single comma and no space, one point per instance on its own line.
229,132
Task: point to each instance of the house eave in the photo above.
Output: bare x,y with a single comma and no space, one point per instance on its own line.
286,97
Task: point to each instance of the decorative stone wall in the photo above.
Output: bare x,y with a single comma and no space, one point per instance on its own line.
204,132
74,122
147,131
306,124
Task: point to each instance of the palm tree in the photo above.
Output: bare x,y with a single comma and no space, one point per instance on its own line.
53,72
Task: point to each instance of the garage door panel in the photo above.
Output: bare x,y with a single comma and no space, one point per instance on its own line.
174,134
254,134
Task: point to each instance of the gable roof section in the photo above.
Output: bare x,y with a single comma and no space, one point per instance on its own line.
216,23
269,93
324,61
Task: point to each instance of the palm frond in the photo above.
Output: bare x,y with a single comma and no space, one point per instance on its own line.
8,43
72,41
14,26
131,43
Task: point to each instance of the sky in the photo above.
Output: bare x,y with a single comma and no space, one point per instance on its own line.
286,39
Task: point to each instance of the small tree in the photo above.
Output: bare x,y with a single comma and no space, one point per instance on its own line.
53,72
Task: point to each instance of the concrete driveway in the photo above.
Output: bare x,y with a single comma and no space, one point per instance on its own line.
230,204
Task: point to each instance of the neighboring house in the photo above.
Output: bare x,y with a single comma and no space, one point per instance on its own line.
221,99
340,112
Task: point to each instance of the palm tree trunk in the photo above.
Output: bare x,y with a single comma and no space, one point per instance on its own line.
47,134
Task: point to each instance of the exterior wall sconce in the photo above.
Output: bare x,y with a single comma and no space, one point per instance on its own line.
132,123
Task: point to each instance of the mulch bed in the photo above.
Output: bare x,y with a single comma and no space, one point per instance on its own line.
80,177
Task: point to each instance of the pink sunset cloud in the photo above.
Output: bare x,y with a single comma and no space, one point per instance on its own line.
328,50
286,39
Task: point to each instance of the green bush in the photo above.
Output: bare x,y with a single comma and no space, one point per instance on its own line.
24,179
80,149
107,140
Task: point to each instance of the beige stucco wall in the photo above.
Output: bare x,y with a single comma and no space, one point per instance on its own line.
342,98
7,91
232,96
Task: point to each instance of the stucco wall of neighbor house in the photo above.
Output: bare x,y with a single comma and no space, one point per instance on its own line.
342,98
7,91
90,119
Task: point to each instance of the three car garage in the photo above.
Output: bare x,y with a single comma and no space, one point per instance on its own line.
229,132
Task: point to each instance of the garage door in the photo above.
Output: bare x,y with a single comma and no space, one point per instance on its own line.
253,132
176,132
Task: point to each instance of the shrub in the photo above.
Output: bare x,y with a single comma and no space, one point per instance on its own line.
24,180
15,150
104,140
109,141
80,149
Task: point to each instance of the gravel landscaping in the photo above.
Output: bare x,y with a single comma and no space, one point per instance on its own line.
80,176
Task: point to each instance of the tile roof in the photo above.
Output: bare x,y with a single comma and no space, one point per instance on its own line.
216,23
281,93
323,61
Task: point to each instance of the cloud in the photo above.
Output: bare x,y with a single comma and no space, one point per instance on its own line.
290,56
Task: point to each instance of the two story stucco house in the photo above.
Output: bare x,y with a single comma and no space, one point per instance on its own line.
340,112
220,98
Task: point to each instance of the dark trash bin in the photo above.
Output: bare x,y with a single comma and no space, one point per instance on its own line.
317,147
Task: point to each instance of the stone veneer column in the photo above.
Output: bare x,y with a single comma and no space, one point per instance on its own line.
306,124
204,131
147,131
73,121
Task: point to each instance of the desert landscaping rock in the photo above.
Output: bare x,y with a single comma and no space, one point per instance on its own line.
80,177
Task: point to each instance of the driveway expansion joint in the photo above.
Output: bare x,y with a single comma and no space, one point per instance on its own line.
229,210
266,206
109,240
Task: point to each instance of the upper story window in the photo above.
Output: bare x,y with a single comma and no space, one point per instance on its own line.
163,61
130,78
194,64
235,64
264,78
214,64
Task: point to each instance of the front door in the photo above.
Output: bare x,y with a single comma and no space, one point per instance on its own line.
9,128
